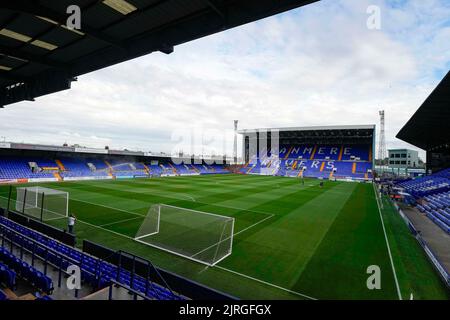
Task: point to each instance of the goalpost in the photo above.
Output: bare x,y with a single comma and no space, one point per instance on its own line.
200,236
42,203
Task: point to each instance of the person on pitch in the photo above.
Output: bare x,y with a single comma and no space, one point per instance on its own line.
71,223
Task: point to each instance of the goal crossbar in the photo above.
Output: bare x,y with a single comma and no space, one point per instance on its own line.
196,235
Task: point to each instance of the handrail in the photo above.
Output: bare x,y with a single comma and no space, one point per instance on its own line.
149,264
133,291
97,274
62,257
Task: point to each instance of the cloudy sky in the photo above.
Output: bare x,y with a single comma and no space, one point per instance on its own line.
317,65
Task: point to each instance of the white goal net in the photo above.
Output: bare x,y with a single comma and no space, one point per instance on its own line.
200,236
42,203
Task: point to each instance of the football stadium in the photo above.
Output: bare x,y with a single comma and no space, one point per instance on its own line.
298,213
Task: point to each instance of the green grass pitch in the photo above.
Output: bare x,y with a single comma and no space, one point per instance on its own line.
291,241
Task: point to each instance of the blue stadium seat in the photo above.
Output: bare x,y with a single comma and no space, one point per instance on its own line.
94,271
74,167
29,273
434,190
321,161
7,276
3,296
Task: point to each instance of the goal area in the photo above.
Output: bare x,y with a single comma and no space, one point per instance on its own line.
42,203
200,236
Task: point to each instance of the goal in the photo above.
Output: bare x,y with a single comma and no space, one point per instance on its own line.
200,236
42,203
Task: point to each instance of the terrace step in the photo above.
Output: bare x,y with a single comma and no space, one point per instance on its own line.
173,168
288,153
340,153
57,176
60,165
313,153
108,165
147,170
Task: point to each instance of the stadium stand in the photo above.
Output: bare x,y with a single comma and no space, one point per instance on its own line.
27,272
316,161
7,276
329,152
433,194
71,167
95,272
15,167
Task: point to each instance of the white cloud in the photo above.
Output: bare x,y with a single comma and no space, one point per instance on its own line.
318,65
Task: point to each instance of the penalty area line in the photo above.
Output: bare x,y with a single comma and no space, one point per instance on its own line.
232,237
120,221
260,221
108,207
104,229
188,196
215,266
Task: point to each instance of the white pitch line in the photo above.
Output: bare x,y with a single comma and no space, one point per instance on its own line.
379,197
232,207
105,206
260,221
120,221
211,246
104,229
207,204
216,266
140,215
388,247
189,196
266,283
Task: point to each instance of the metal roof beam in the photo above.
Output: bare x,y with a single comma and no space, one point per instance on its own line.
28,7
215,8
13,52
11,77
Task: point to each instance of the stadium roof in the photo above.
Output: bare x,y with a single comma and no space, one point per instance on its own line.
429,126
313,128
322,134
40,55
6,146
79,149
